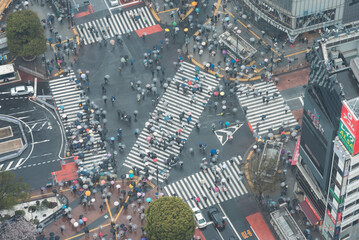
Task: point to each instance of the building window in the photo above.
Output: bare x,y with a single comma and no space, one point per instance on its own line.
346,227
351,192
346,237
350,205
355,166
355,222
347,216
356,212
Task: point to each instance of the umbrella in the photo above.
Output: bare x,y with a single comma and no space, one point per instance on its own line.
112,42
118,186
213,151
148,200
116,203
227,123
84,219
76,224
216,189
93,200
129,217
81,221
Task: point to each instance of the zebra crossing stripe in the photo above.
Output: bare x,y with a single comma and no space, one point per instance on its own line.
190,187
171,103
66,93
113,25
274,110
119,23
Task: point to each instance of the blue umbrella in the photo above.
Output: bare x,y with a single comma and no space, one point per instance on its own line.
149,51
183,79
213,151
253,66
227,123
197,10
112,139
233,61
189,119
63,207
247,67
226,19
196,69
167,118
148,200
196,78
183,85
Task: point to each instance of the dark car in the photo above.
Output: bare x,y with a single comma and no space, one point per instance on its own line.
216,217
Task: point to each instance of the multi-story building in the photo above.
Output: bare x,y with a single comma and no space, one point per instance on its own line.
342,213
299,16
333,79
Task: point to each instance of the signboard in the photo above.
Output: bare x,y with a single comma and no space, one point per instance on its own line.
334,195
346,137
316,120
296,152
330,216
340,151
351,123
339,218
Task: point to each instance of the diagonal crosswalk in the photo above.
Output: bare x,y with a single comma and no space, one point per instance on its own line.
203,184
172,104
66,93
252,97
116,24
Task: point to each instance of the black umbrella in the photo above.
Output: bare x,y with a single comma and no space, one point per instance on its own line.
57,237
52,234
123,176
123,192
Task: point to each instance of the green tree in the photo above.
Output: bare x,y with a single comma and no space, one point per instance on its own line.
169,218
25,34
11,190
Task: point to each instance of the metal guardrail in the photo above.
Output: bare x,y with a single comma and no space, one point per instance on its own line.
32,72
59,213
19,152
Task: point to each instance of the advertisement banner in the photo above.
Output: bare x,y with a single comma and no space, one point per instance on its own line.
352,125
346,137
340,150
296,152
349,119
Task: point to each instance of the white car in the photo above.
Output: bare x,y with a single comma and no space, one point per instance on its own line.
21,90
113,3
201,221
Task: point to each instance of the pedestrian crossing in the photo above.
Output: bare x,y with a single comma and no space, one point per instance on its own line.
116,24
254,99
67,94
204,184
173,102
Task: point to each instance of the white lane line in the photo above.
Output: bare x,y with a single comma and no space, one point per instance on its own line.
8,166
229,221
47,140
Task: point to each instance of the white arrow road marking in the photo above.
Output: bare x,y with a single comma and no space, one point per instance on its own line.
224,133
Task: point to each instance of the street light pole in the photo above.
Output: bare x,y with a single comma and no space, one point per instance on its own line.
155,160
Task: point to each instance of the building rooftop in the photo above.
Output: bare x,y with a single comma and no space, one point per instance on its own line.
286,225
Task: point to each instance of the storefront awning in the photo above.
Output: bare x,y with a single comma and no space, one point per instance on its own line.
309,212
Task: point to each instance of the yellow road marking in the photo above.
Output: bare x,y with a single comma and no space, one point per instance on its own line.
187,14
173,9
58,73
77,36
155,14
296,53
108,209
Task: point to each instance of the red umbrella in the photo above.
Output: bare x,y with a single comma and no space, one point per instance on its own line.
197,199
84,219
189,82
216,189
215,93
100,234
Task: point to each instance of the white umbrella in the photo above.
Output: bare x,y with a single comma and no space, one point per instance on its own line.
116,203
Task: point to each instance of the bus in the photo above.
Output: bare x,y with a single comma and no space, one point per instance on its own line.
7,73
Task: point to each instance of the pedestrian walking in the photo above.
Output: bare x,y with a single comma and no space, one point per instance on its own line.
113,100
104,97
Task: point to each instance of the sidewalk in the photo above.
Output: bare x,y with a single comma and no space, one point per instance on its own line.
216,61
